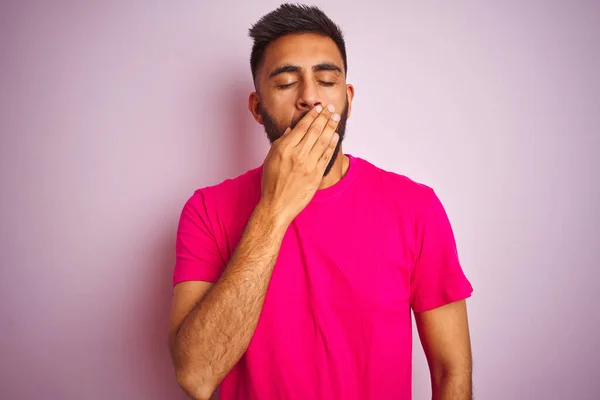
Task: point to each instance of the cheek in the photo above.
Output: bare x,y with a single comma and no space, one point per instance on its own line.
338,98
280,103
281,112
280,119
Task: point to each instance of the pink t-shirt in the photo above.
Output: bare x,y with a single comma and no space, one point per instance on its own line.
336,320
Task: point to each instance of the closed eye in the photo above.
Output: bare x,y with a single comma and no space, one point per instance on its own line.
287,85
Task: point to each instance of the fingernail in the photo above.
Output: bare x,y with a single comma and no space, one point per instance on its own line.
335,117
319,108
331,108
336,137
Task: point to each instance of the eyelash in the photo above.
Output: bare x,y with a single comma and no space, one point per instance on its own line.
327,84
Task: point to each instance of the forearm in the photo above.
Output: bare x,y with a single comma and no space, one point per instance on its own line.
452,386
216,333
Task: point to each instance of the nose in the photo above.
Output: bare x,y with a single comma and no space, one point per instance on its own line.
309,95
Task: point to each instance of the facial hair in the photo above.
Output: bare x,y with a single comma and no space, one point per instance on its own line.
275,131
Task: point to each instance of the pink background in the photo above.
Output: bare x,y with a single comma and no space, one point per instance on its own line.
112,113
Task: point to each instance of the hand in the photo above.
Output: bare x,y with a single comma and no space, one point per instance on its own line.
296,162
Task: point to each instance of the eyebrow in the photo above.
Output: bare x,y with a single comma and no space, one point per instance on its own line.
324,66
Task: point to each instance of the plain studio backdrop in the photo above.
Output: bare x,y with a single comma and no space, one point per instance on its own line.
113,113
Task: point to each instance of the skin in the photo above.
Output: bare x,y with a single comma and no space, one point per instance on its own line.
444,334
308,87
212,324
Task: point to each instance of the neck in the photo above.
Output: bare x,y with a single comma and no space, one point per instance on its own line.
337,172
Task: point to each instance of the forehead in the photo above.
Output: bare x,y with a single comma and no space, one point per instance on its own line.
304,50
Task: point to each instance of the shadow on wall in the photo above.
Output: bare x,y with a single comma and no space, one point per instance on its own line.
238,151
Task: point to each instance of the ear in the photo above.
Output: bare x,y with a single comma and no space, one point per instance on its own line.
254,107
350,94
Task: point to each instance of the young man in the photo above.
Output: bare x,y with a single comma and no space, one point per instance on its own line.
296,280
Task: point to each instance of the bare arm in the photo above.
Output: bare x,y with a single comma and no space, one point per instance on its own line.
215,334
444,334
212,327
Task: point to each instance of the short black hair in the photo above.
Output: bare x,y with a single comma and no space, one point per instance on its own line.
288,19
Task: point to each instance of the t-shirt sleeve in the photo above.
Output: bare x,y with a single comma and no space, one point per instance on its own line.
197,256
437,277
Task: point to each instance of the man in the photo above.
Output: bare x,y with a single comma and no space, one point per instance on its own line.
296,279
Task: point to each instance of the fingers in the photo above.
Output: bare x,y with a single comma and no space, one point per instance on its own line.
326,137
314,137
316,130
295,136
325,157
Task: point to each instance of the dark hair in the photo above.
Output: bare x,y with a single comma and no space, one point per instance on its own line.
292,18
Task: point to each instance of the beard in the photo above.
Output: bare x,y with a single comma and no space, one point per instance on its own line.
275,131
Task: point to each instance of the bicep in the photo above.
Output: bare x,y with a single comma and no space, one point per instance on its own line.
444,334
186,296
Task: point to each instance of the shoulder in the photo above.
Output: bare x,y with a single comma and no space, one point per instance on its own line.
393,185
229,193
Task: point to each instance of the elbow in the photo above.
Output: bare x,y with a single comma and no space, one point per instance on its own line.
192,379
195,387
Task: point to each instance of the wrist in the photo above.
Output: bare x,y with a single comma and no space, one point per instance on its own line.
271,217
